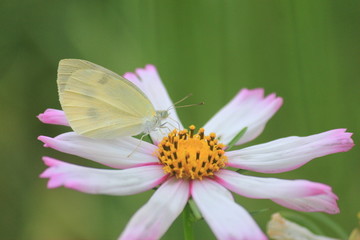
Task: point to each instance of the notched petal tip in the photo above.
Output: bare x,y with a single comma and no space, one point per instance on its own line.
130,76
40,116
53,116
342,140
50,162
46,140
54,183
279,101
150,67
140,71
246,93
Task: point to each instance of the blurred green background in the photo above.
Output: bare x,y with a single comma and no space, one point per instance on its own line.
307,51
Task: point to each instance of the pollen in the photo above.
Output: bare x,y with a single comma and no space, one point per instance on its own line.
189,155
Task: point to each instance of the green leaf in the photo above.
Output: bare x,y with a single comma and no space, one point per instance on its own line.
303,221
259,211
327,221
236,138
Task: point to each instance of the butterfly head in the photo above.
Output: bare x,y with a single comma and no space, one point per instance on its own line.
161,115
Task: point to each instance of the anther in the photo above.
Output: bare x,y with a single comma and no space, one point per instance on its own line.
187,156
201,133
211,144
192,128
167,146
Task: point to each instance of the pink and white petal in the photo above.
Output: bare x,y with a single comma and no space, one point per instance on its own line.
102,181
53,116
153,219
226,219
156,92
258,187
135,80
289,153
249,108
320,203
125,152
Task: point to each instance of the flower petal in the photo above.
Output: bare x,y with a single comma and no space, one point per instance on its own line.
227,219
249,108
154,89
102,181
155,217
110,152
320,203
290,153
258,187
53,116
132,77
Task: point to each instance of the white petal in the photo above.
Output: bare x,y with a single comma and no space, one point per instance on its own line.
110,152
249,108
289,153
320,203
227,219
258,187
102,181
279,229
155,217
156,92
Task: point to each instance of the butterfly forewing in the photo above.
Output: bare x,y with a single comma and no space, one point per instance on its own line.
99,103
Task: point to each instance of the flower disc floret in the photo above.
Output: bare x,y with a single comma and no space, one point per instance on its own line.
189,155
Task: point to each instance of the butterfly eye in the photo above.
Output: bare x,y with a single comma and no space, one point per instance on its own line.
164,114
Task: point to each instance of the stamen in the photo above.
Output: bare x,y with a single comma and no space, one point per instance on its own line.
192,128
187,155
201,133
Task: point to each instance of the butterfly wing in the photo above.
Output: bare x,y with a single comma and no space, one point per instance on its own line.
99,103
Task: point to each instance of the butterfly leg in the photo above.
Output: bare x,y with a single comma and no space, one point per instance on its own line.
141,139
177,122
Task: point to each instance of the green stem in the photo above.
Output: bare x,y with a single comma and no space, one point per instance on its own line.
187,221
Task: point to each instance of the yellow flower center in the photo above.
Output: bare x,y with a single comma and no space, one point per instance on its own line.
191,156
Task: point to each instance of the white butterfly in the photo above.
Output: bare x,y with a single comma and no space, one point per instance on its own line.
98,103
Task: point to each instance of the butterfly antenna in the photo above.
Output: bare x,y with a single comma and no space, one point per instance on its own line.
190,105
181,100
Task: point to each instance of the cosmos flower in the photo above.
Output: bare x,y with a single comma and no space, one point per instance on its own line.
190,163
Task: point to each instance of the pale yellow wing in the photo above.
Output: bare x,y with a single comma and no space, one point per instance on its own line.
101,104
69,66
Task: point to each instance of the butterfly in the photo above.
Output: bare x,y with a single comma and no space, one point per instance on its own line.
99,103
